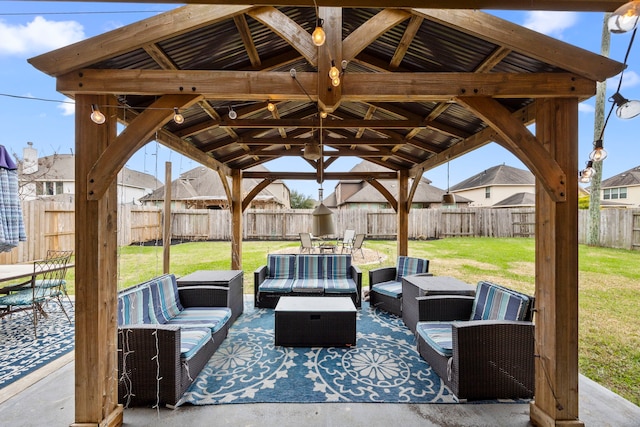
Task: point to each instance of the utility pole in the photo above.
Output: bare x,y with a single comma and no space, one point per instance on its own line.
593,235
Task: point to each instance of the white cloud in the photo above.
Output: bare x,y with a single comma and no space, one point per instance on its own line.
630,79
550,23
38,36
586,108
68,107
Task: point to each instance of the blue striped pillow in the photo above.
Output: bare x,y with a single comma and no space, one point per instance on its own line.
133,306
210,317
338,266
310,267
164,298
408,265
281,266
494,302
191,340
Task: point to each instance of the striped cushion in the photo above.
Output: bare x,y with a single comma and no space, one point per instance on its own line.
281,266
213,318
437,335
493,302
310,267
133,306
338,266
339,286
315,286
276,285
390,288
192,340
164,298
408,265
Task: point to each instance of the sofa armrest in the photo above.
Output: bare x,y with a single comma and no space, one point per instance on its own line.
444,307
203,296
146,353
356,275
382,274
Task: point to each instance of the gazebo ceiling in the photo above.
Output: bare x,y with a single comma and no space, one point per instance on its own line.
420,87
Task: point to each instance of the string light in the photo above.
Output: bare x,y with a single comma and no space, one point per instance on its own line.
271,106
599,153
177,117
232,113
96,115
624,18
319,36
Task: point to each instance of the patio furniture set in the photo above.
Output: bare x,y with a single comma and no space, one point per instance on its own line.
350,242
479,340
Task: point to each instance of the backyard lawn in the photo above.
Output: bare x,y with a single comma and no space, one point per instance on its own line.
609,293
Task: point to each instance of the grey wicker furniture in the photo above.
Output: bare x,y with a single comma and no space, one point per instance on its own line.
326,275
385,283
419,285
163,343
482,347
315,322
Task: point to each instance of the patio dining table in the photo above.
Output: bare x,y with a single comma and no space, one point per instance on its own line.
11,272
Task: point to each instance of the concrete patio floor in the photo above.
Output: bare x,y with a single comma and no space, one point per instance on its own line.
50,402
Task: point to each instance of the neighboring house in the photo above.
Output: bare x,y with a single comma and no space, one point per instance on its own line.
360,194
622,189
53,178
201,188
495,185
518,200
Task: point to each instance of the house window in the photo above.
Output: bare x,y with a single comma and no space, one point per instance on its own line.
615,193
49,188
487,193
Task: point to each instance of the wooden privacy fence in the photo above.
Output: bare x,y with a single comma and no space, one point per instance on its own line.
50,225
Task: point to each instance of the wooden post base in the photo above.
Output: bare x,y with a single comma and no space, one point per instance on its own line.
542,419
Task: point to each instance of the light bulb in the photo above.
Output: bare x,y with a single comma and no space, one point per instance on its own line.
625,18
335,82
323,114
628,110
177,117
588,171
583,179
271,106
333,71
96,115
599,153
318,36
232,114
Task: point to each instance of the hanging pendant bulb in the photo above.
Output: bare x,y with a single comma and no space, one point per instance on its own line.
599,153
177,117
448,199
271,106
626,109
322,219
588,171
624,18
319,36
96,115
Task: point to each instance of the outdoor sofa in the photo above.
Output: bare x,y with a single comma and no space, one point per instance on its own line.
163,344
385,283
306,275
482,347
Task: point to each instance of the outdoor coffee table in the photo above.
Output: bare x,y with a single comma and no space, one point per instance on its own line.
419,285
315,322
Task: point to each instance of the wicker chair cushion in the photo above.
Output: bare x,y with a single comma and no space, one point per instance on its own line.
21,298
437,335
276,285
338,266
133,306
310,285
408,265
192,340
213,318
310,267
339,286
391,288
281,266
493,302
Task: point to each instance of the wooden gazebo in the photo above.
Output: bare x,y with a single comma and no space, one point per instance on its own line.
418,87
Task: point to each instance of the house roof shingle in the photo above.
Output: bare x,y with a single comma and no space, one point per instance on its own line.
497,175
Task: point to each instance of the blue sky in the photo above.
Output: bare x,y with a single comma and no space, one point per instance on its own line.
30,28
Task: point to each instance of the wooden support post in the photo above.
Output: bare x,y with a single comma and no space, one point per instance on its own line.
556,392
403,212
166,220
236,219
96,382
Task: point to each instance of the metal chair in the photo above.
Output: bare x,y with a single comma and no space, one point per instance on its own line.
306,244
347,240
357,244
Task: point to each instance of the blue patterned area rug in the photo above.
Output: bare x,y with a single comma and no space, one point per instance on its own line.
21,353
384,366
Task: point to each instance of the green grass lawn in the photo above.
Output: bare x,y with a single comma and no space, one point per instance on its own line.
609,295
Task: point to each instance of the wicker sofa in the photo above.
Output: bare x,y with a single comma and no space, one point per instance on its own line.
385,283
306,275
162,344
482,347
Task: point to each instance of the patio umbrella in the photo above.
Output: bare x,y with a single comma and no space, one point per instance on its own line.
11,223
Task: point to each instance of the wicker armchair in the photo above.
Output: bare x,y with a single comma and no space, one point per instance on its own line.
385,283
490,356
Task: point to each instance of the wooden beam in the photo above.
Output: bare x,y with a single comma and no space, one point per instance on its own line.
288,29
130,37
132,138
371,30
329,96
247,40
385,193
413,189
254,192
403,213
236,219
525,41
409,34
96,386
560,5
370,87
225,185
331,176
556,273
515,137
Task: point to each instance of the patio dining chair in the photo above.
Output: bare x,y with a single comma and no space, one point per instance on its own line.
357,244
306,244
347,240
